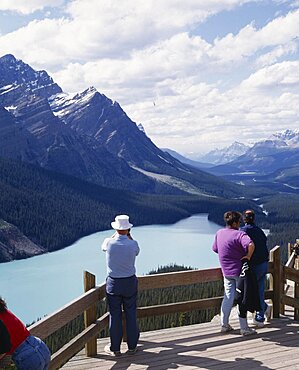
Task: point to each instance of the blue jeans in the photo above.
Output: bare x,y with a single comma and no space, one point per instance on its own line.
32,354
260,273
230,283
120,293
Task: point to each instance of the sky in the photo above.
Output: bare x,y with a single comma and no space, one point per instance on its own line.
197,74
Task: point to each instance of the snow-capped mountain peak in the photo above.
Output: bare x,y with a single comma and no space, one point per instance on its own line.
18,79
63,103
289,137
227,154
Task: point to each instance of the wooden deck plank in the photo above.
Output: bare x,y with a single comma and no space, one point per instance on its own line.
202,346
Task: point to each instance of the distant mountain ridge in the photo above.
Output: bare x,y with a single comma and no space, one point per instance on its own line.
225,155
186,160
275,159
281,150
89,136
278,140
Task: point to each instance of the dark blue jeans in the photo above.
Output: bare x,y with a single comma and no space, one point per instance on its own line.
122,293
32,354
260,273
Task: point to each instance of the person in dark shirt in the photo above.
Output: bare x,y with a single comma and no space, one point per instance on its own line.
258,262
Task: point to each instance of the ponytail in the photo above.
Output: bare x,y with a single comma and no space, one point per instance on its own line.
3,306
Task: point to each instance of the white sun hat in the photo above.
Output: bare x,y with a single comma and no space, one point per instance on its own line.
121,223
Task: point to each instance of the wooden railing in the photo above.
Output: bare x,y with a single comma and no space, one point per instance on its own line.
290,274
88,301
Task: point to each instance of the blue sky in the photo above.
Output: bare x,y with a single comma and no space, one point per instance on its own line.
232,20
197,74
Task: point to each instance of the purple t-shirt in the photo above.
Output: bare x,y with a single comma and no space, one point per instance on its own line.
231,245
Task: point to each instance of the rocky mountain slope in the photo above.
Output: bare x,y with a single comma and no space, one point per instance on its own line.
15,245
89,136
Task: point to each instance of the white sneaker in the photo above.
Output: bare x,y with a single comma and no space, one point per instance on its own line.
259,324
111,353
226,328
268,313
248,331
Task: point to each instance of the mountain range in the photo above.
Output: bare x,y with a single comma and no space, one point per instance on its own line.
89,136
272,162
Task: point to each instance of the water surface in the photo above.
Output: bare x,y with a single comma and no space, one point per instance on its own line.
39,285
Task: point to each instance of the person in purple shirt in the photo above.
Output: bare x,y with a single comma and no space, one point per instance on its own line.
232,245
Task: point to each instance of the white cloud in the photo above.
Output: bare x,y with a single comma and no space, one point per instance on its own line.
187,92
28,6
278,76
249,40
101,29
277,53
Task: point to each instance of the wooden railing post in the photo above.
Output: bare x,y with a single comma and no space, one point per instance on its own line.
90,315
285,283
296,310
296,288
289,250
277,281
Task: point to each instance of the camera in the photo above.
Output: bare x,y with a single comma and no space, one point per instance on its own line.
295,248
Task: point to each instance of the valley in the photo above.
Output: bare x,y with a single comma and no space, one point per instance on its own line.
70,162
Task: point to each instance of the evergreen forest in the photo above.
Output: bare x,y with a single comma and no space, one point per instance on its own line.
54,210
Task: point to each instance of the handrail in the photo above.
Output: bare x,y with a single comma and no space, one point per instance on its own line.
291,260
172,279
58,319
290,273
167,308
67,313
77,343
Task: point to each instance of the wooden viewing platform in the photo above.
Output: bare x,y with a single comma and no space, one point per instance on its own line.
202,346
189,347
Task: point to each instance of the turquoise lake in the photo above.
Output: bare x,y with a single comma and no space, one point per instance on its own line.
40,285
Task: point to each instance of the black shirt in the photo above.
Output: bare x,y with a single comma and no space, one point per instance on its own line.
256,234
5,344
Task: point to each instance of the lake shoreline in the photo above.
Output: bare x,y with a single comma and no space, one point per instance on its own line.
84,235
44,283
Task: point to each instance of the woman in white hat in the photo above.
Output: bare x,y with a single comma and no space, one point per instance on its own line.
121,285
